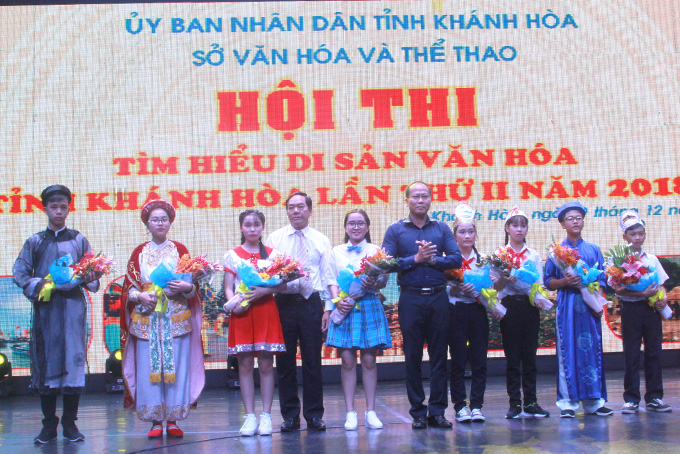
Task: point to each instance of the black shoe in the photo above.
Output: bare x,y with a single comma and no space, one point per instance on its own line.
316,424
603,411
514,412
290,424
659,405
71,432
567,414
535,410
419,422
439,421
46,435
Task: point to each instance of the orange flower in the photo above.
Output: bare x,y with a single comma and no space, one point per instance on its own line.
91,262
566,255
196,265
455,275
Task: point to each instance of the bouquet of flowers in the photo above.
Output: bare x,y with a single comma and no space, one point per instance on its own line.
161,276
456,276
480,278
284,268
65,274
569,262
377,264
281,270
349,281
501,261
624,268
527,282
199,267
90,262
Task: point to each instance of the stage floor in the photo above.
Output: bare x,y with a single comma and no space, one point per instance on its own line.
213,426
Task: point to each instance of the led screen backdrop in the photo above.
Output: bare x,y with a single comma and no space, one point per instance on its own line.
223,107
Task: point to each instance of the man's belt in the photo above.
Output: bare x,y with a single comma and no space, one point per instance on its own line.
424,291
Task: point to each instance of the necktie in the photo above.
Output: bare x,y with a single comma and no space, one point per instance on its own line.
517,255
302,255
354,248
466,264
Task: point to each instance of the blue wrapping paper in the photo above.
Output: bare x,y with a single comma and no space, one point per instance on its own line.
61,270
652,278
586,274
164,273
527,273
479,277
349,283
251,278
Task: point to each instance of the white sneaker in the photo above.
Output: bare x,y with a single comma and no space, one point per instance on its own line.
372,420
249,427
476,415
265,424
629,408
463,415
351,422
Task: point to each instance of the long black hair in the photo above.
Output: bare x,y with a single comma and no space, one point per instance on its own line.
511,220
260,215
455,230
368,223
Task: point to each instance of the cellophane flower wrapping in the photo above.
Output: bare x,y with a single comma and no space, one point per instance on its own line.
350,284
238,298
200,267
61,271
91,262
563,257
527,277
569,262
281,270
378,264
501,261
624,267
479,277
166,272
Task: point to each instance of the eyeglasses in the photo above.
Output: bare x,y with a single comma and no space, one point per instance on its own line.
574,219
353,224
159,220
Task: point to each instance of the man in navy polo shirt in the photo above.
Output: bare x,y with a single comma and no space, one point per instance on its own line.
425,248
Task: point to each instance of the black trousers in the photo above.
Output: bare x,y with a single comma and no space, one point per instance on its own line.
300,320
48,404
519,330
425,318
640,321
468,322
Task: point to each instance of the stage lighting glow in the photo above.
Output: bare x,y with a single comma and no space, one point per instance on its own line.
114,371
5,367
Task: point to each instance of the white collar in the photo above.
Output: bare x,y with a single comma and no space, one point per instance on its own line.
292,230
159,246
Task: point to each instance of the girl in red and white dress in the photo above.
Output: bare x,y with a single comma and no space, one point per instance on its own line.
254,330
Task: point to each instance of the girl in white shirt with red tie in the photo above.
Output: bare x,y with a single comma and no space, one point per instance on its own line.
520,325
469,333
